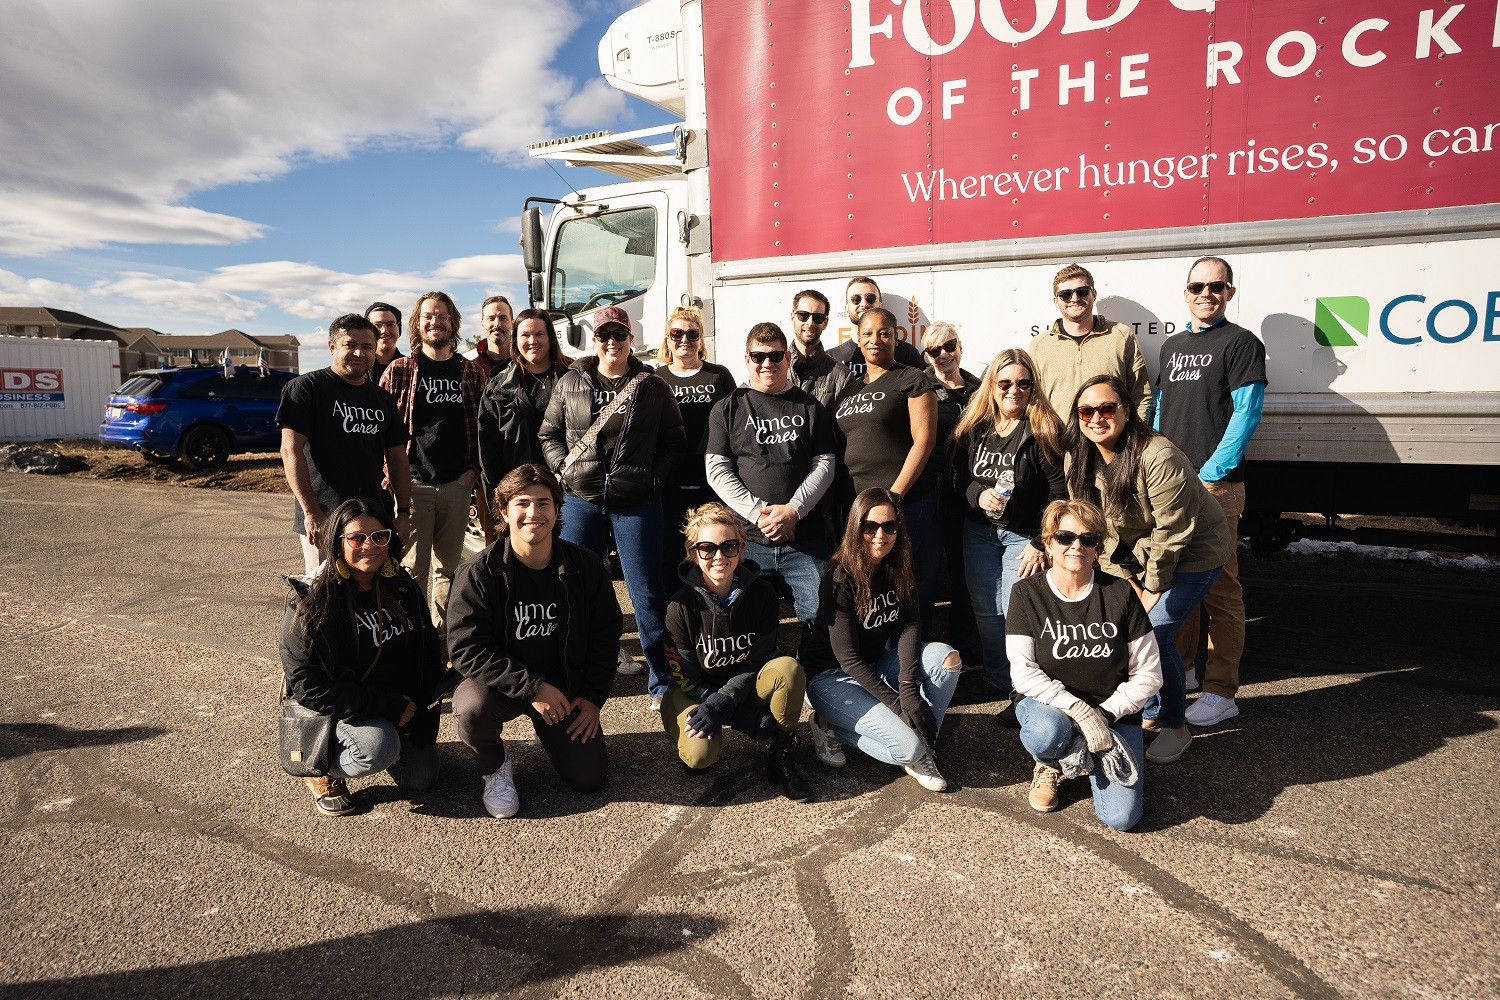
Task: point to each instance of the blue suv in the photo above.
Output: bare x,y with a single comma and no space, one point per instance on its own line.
197,415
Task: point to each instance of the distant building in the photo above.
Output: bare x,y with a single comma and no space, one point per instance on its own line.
144,347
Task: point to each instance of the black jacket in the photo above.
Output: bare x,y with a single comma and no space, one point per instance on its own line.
323,672
1037,482
510,415
480,620
716,649
820,376
652,441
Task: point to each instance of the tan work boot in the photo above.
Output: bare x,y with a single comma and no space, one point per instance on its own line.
1043,794
330,795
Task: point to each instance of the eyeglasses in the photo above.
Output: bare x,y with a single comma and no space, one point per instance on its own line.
1004,384
761,357
684,334
818,318
868,528
1217,287
951,347
1082,291
357,538
869,299
1104,409
731,548
1088,539
612,333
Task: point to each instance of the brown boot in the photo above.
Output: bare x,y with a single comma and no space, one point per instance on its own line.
330,795
1043,794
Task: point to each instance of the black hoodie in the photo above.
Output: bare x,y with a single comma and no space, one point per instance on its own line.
721,649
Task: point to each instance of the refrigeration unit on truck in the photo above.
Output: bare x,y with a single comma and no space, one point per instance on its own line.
1344,156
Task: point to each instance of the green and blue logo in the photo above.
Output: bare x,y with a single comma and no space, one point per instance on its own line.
1337,320
1344,320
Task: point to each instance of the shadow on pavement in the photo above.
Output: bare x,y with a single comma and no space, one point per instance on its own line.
20,738
410,960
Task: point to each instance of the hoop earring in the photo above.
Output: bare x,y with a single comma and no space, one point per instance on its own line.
389,568
341,568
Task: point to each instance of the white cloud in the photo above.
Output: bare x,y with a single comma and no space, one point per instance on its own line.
117,111
484,269
595,105
18,291
176,295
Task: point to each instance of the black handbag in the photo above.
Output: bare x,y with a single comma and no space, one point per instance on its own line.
306,740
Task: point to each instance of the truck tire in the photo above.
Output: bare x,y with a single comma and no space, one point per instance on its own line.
1268,531
203,448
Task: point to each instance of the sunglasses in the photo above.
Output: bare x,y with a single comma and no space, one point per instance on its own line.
1105,409
761,357
1088,539
356,538
1004,384
613,333
1082,291
868,528
868,299
684,334
731,548
818,318
951,347
1217,287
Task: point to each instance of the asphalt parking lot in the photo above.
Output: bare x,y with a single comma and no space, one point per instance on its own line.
1334,840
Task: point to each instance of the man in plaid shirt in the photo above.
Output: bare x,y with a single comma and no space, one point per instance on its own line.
437,392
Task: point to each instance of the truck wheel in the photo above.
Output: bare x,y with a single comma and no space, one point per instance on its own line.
204,448
1268,531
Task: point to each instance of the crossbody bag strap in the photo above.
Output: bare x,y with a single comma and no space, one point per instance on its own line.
591,435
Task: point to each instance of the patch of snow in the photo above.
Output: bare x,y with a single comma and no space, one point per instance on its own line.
1331,550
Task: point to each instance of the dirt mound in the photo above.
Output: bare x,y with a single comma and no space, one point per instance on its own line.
250,473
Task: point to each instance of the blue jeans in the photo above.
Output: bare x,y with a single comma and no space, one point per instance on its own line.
637,536
1176,605
992,558
795,570
860,719
373,745
926,552
1047,732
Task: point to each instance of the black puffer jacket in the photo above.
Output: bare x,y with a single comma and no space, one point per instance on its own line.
324,671
651,444
480,619
510,416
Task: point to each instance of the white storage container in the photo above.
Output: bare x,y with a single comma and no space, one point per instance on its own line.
55,389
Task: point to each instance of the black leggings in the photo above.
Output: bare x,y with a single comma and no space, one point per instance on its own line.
480,713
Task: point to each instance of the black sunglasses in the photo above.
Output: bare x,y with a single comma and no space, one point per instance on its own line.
869,299
1108,409
730,548
817,318
1217,287
950,347
1089,539
612,333
761,357
1082,291
1004,384
868,528
684,334
381,537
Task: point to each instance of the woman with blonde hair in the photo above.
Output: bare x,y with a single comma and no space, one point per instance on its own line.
697,385
721,646
1007,464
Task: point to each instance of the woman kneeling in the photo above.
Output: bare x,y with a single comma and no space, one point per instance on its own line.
1084,659
534,627
357,644
722,629
870,679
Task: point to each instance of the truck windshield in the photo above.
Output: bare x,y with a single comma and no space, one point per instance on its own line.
603,259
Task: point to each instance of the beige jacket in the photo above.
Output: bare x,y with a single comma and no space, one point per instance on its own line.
1170,524
1063,364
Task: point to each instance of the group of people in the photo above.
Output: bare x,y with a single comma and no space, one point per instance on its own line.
1084,513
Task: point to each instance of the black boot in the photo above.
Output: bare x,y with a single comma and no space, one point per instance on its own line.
781,772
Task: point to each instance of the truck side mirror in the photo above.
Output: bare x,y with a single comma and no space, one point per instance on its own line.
531,240
535,287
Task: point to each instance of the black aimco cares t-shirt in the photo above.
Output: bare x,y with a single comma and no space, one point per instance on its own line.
876,424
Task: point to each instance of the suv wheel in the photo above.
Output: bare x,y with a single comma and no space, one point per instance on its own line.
204,448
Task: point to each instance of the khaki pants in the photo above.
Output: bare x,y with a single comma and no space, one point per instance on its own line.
440,516
779,687
1225,606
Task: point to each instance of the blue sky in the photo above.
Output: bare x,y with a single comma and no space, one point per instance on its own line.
193,167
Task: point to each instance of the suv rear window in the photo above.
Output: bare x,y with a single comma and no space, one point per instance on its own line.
141,385
246,384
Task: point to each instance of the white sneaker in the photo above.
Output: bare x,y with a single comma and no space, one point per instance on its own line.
1191,677
500,798
1211,709
656,702
926,772
825,746
627,664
